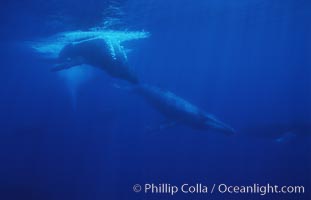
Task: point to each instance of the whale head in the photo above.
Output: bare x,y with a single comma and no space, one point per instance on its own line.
68,57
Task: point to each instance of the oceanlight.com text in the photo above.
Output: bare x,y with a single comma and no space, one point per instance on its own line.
200,188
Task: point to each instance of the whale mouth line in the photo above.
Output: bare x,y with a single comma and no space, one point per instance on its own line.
68,64
61,66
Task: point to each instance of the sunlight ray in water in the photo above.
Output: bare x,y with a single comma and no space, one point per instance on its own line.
74,78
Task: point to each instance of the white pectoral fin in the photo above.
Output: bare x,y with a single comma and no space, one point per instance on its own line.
121,87
127,88
162,126
286,137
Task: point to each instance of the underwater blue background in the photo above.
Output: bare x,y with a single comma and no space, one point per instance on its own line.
245,61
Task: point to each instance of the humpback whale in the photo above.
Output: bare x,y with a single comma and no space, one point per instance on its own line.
179,110
97,53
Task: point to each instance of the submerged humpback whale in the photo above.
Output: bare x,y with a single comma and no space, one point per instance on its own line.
97,53
179,110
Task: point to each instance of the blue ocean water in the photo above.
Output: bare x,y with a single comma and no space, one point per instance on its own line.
76,136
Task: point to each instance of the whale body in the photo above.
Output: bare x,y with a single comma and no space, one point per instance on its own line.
97,53
179,110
